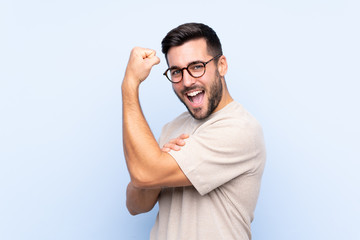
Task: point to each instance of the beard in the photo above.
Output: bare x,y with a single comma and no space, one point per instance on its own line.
214,98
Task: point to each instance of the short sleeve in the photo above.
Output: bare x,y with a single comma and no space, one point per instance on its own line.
221,151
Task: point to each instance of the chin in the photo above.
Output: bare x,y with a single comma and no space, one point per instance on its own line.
200,114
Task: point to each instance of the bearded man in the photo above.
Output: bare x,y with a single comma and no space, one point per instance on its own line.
206,170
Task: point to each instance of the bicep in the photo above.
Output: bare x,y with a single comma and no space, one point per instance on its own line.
164,172
170,174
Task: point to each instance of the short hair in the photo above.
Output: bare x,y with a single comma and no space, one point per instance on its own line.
192,31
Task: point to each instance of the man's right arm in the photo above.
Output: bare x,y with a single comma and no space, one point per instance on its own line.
140,200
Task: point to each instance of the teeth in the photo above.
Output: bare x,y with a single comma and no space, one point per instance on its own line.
192,94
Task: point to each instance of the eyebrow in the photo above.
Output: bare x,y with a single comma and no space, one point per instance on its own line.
177,67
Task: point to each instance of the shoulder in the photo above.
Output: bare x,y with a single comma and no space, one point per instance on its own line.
233,117
232,126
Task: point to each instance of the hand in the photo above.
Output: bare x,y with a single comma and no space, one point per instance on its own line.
175,144
140,63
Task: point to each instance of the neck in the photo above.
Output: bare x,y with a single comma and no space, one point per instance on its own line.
226,98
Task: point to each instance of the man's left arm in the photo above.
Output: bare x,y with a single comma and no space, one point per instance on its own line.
148,165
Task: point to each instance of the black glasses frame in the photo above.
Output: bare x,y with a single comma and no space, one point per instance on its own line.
182,69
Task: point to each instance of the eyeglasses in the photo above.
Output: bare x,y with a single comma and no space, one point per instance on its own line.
195,69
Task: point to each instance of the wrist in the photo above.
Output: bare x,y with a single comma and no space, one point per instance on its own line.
129,85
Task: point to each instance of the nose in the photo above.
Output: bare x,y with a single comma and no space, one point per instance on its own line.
187,80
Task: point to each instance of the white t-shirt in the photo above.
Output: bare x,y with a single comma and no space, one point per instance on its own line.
224,159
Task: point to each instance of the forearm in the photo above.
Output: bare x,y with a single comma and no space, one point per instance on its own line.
140,200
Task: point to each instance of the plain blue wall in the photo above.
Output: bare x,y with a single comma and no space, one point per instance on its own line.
293,64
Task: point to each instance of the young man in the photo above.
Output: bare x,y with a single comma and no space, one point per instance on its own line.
207,174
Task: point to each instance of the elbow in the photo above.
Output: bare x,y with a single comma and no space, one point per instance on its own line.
134,200
136,208
133,206
132,211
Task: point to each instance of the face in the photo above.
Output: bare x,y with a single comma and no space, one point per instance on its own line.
201,96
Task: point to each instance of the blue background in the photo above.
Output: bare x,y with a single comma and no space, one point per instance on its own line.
293,64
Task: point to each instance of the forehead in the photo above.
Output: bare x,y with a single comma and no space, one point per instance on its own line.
193,50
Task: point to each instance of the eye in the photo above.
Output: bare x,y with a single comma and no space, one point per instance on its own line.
196,67
175,72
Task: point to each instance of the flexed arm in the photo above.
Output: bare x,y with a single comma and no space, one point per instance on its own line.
149,167
140,200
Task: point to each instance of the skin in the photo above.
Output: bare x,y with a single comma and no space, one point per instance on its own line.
175,144
143,200
150,166
196,50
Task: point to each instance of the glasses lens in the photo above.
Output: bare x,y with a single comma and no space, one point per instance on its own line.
197,69
174,75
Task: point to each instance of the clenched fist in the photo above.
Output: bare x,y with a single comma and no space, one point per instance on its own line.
140,63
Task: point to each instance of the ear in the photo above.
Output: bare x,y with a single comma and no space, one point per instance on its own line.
222,66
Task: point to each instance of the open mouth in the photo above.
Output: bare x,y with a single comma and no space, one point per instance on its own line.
195,97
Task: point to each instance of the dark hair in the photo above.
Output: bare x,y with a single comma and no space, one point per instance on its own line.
192,31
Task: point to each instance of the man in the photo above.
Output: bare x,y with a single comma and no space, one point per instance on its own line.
207,174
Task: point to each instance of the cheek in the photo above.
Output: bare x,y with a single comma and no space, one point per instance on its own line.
176,87
208,77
